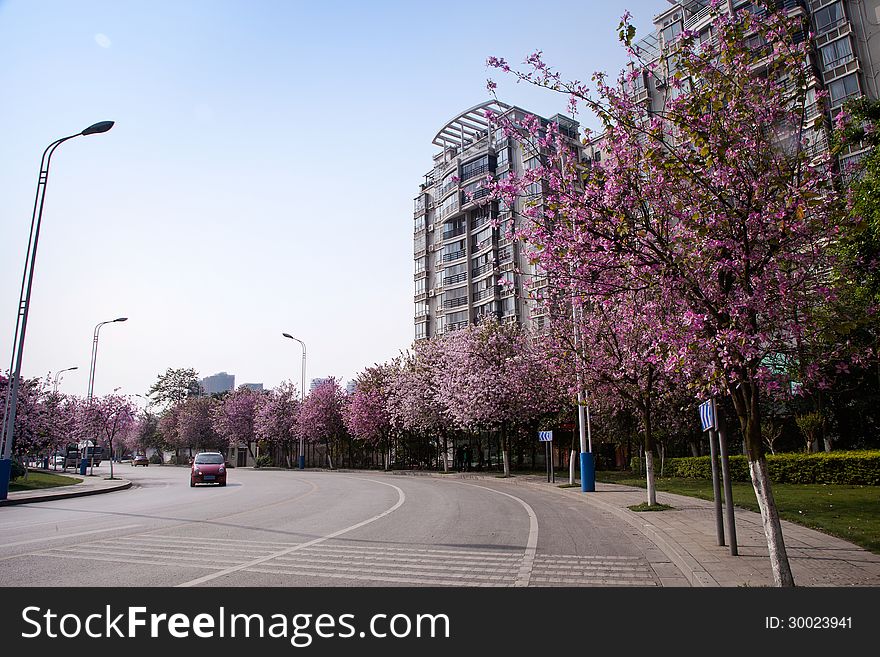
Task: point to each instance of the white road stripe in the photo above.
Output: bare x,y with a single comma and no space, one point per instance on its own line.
401,498
525,569
63,536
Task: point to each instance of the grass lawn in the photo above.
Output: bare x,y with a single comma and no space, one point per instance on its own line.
37,480
848,512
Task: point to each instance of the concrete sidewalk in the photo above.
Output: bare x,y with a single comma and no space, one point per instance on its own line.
687,535
93,485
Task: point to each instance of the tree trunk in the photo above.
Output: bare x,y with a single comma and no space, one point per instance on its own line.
649,470
505,451
571,467
770,519
445,454
746,403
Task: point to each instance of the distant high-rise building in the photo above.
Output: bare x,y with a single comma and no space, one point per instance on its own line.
256,387
221,382
350,386
317,382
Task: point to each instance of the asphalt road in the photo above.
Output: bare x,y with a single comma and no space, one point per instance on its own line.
291,528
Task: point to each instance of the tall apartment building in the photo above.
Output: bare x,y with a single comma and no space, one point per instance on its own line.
221,382
845,47
466,266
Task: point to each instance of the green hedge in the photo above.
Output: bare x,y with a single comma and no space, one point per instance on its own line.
856,467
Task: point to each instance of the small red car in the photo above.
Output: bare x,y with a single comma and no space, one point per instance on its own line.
208,468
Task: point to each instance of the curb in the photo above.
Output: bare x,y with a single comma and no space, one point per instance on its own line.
123,485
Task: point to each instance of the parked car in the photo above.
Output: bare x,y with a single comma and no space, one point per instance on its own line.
208,468
140,459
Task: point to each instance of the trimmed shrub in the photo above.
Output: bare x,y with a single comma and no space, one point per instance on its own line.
263,461
155,459
854,468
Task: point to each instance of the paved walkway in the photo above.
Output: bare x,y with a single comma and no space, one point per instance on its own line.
88,486
687,535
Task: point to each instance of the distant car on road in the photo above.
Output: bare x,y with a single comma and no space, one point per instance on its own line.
140,459
208,468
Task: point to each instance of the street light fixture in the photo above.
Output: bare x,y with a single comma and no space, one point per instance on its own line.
302,396
58,374
8,435
82,467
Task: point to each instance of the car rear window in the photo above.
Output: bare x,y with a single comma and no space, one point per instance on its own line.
209,458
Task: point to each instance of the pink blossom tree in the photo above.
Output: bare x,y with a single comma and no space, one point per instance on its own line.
276,419
712,202
320,417
109,418
366,415
414,402
235,416
492,377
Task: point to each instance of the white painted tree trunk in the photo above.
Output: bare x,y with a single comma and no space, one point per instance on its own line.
571,468
506,456
772,527
649,471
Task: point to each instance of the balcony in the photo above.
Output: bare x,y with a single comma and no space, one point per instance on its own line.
482,246
484,294
482,269
449,257
455,303
475,171
455,326
477,194
455,278
840,67
448,187
833,31
448,235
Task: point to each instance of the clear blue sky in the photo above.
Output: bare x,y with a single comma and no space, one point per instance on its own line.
260,175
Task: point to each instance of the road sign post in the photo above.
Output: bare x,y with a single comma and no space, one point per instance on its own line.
546,437
707,419
725,476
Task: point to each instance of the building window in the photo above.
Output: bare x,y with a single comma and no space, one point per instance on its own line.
836,53
482,238
449,205
828,17
477,167
503,156
420,286
843,88
670,32
421,308
419,223
419,243
420,264
421,330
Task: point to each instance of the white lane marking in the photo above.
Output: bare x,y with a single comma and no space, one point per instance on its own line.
62,536
528,562
401,498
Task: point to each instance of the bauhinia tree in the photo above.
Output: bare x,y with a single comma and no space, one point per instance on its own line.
109,418
492,377
276,420
174,386
414,402
320,417
234,417
711,201
366,413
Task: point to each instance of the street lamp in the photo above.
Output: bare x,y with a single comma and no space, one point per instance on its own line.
82,467
302,394
58,374
8,435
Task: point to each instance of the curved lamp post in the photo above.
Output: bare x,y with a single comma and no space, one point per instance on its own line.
82,469
302,396
58,374
27,280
